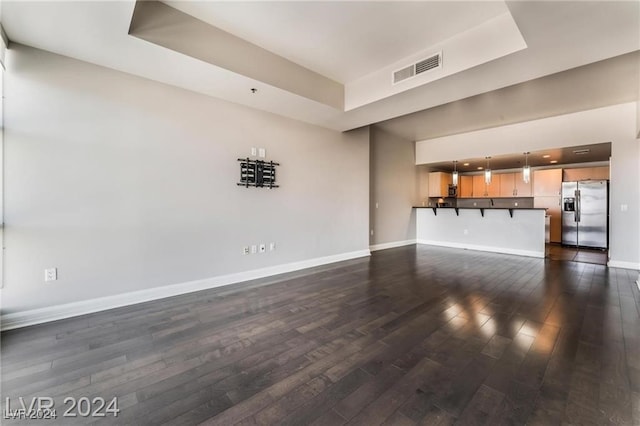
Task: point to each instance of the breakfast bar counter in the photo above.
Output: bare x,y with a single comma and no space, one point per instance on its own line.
519,231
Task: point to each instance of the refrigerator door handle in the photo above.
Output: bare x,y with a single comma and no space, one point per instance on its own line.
577,205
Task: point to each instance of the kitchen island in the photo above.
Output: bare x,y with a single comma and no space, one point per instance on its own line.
519,231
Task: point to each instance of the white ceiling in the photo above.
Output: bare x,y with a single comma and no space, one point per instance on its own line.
343,40
337,39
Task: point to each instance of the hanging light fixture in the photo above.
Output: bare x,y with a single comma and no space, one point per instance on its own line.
487,173
526,170
454,175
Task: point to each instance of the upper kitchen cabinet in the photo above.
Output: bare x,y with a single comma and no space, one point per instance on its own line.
522,189
547,183
585,173
465,186
479,187
439,184
493,188
507,184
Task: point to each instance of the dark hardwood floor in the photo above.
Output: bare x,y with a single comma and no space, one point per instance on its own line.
556,251
413,335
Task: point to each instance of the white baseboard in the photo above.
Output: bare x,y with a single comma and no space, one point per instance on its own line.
623,265
528,253
384,246
52,313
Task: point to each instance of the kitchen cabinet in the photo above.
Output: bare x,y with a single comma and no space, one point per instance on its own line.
439,184
585,173
481,189
552,204
465,186
507,184
493,189
522,189
547,183
478,186
512,185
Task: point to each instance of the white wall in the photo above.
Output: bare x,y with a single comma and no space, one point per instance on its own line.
125,184
394,189
615,124
496,231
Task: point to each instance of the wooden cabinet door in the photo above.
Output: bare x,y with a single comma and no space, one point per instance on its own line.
465,186
493,189
507,184
479,187
585,173
547,183
439,184
445,181
434,184
522,189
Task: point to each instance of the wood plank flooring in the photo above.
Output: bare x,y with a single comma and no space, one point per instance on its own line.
585,255
416,335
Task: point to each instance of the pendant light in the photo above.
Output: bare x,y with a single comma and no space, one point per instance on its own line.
454,175
487,173
526,170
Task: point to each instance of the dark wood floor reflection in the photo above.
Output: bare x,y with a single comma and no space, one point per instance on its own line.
575,254
413,335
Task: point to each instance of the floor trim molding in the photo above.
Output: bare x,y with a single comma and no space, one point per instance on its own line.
52,313
623,265
490,249
383,246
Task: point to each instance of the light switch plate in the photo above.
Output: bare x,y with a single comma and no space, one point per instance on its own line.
51,274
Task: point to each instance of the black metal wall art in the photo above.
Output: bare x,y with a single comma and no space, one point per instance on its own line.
257,173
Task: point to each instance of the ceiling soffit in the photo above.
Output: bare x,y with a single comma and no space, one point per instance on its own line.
488,41
343,40
165,26
609,82
560,36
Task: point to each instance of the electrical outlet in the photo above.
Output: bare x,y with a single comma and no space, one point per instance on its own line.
466,232
254,249
263,248
245,250
254,151
272,246
51,274
372,232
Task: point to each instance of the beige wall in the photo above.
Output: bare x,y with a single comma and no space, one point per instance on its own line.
394,188
125,185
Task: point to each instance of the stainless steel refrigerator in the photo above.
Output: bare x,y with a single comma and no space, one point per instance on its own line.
585,213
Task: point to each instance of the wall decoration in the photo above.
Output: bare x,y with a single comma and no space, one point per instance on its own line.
257,173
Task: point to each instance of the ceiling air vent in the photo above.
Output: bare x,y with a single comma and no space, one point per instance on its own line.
428,64
403,74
